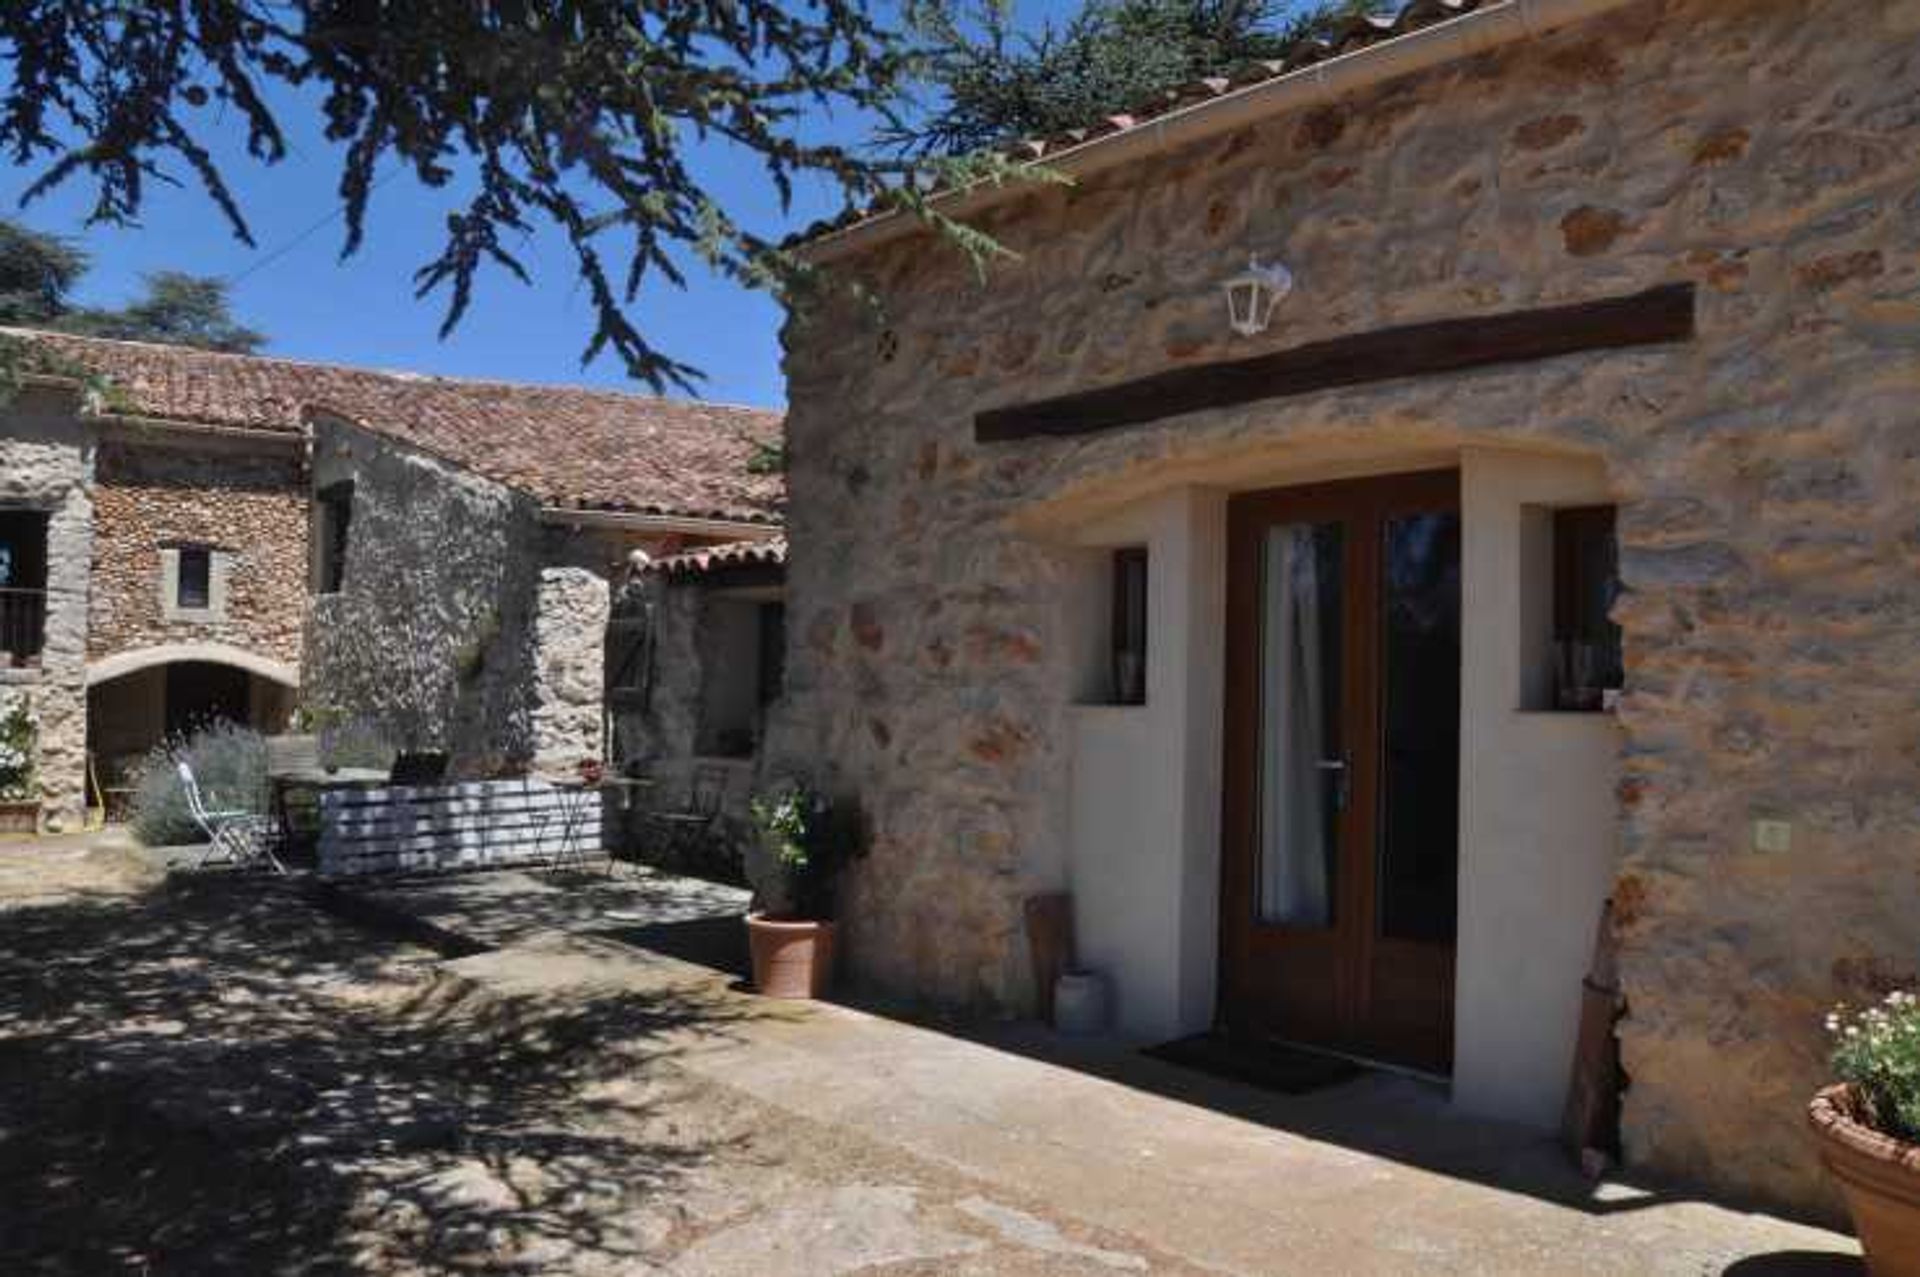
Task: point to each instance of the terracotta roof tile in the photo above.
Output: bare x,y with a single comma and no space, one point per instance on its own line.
565,445
731,554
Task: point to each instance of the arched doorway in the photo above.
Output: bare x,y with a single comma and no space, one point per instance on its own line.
138,699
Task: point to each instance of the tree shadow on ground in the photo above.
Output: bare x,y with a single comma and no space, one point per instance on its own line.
211,1077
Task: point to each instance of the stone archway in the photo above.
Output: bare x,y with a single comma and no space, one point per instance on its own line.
121,664
138,699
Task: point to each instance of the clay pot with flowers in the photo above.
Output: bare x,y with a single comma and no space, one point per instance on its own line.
1868,1124
790,931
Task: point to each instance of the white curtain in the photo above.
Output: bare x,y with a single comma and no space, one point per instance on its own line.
1293,791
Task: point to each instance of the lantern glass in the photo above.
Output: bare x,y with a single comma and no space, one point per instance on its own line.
1252,296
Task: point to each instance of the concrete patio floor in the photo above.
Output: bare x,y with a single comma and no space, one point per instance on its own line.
1377,1175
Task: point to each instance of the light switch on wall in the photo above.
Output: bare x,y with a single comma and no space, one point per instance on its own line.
1772,836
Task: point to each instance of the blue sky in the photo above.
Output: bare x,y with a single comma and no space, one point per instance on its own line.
362,310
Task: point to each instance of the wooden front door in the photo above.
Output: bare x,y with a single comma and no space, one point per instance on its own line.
1340,860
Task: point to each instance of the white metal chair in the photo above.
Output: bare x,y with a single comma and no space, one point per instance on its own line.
240,837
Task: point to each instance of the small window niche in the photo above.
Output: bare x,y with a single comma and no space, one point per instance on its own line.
193,587
1127,635
193,583
1572,660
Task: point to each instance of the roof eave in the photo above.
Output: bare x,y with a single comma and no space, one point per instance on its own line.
648,521
1419,50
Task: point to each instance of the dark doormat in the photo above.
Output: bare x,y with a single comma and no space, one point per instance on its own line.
1261,1064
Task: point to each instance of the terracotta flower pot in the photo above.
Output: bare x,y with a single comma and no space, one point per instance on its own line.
792,957
22,817
1880,1178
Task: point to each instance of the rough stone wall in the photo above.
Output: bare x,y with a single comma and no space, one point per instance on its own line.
253,507
432,639
46,463
1770,151
588,576
570,643
657,715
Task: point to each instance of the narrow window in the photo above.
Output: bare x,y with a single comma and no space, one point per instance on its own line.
1130,625
1586,643
335,518
193,586
773,652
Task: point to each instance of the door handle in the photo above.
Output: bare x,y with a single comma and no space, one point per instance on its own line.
1339,770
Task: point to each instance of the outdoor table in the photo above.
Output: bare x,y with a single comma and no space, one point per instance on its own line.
574,794
627,787
576,797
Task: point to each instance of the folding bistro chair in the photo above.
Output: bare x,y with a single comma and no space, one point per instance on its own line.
239,837
686,834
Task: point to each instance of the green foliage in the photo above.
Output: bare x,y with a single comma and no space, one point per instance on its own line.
343,739
768,458
996,85
1878,1050
811,837
230,764
18,734
355,742
37,271
575,114
21,359
177,309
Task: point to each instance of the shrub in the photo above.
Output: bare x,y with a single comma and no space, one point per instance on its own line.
230,764
1878,1050
811,837
17,733
355,742
344,740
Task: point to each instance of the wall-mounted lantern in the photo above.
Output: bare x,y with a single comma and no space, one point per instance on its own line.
1252,295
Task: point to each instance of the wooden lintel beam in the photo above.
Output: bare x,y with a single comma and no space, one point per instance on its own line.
1655,317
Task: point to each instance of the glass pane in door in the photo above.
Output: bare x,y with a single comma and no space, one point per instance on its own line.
1420,729
1302,754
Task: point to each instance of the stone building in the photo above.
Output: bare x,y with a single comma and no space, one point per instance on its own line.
152,574
465,587
186,535
1552,542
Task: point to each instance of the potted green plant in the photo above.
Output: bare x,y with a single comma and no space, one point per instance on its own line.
1868,1124
790,930
19,799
